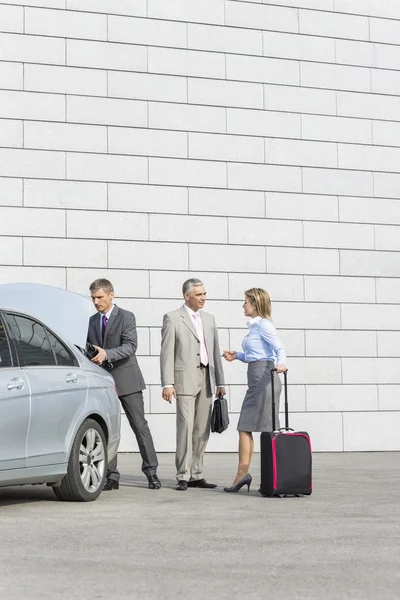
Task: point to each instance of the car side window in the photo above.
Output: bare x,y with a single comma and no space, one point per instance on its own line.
63,355
5,353
33,345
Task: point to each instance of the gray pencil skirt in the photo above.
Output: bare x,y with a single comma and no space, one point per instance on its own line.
256,413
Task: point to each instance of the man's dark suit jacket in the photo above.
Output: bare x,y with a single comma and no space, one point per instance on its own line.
120,343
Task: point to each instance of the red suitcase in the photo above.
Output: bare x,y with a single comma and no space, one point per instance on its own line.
285,457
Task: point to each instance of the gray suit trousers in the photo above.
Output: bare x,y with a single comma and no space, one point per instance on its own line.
134,409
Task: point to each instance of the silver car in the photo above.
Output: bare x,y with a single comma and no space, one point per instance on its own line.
59,413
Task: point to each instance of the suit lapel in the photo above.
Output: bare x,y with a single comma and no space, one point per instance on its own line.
188,322
111,323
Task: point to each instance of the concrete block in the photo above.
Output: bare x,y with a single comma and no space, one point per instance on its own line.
336,129
301,206
226,203
32,49
357,431
159,406
65,136
386,133
225,93
143,335
244,14
369,210
11,251
12,19
226,147
293,342
339,289
388,397
228,315
335,77
368,263
386,185
306,315
146,86
155,344
102,224
153,198
168,284
106,111
32,163
325,430
119,7
41,3
279,287
387,290
368,106
368,158
65,194
264,123
388,343
11,133
337,182
28,105
305,261
127,283
146,32
315,370
105,167
299,152
300,100
147,142
187,172
336,25
208,11
186,117
186,62
389,9
340,343
386,31
149,312
32,222
322,4
264,177
185,228
339,235
368,54
10,191
163,430
370,317
150,367
262,69
224,39
265,232
65,24
226,258
235,373
65,80
147,255
12,73
43,275
385,82
387,237
65,252
106,55
341,398
299,47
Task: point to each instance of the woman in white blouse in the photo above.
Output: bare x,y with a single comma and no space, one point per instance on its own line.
261,350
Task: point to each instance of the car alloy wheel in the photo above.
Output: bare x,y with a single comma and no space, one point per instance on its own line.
92,460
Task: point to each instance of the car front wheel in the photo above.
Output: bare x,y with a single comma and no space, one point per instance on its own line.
87,465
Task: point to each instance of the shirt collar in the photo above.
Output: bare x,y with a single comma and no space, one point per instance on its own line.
107,314
251,322
190,311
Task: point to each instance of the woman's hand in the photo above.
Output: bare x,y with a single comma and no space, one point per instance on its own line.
281,368
229,355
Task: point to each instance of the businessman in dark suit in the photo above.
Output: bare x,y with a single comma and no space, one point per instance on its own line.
113,332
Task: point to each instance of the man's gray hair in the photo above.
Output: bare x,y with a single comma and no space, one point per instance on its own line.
190,284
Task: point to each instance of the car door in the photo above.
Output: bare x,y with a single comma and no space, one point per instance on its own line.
58,389
14,406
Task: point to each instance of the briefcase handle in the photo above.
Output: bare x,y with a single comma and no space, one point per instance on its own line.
286,401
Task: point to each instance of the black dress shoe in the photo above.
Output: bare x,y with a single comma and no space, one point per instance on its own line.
110,484
154,482
202,483
182,486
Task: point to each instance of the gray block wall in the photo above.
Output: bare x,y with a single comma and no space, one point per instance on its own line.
247,143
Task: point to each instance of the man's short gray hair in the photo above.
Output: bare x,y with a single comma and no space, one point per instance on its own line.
190,284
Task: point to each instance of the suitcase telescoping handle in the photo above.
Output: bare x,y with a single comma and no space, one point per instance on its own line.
273,371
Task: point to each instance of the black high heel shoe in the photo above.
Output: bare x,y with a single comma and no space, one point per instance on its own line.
247,479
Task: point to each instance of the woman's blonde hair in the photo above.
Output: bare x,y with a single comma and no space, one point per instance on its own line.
261,300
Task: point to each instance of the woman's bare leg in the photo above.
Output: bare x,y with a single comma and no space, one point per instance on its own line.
246,449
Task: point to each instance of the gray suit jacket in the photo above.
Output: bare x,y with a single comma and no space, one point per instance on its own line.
120,343
180,352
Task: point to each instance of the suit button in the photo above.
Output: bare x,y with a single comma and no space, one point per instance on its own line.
198,355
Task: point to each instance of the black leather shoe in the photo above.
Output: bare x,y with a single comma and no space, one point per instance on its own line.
154,482
201,483
110,484
182,485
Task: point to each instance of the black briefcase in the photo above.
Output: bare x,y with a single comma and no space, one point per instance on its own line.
220,415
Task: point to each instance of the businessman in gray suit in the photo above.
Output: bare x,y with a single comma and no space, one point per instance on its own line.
113,332
191,371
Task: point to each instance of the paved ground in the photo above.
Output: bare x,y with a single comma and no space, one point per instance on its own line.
341,543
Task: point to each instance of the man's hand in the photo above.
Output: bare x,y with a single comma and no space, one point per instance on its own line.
100,357
220,392
168,393
229,355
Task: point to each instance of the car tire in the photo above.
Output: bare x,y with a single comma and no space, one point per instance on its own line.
87,466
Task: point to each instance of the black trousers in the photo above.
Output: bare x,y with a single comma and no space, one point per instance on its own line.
133,406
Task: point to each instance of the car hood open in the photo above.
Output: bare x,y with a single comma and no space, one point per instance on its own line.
66,313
